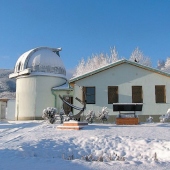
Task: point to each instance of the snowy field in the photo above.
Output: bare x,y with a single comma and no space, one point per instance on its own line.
37,145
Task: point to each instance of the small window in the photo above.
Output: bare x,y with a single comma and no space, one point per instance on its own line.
19,66
89,94
137,96
160,94
112,94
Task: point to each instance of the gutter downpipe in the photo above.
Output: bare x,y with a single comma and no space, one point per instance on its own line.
55,97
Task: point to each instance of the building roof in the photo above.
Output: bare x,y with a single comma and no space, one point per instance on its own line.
4,99
64,87
39,60
116,64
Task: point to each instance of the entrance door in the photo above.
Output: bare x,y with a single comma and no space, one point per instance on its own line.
66,107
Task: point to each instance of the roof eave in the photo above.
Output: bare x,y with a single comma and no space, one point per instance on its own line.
24,72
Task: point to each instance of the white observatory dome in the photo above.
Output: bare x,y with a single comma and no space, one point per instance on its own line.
40,61
37,71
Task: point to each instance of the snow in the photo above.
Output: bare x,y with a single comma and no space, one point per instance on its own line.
39,145
101,60
65,86
138,56
41,59
45,57
95,62
165,66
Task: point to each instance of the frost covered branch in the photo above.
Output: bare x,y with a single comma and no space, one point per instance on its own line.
100,60
164,66
138,56
96,61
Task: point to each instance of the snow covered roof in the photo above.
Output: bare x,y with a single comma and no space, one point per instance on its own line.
40,60
63,87
116,64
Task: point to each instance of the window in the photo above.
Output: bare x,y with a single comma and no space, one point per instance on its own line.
112,94
137,96
19,66
90,95
160,94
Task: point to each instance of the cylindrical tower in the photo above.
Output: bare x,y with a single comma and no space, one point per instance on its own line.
36,72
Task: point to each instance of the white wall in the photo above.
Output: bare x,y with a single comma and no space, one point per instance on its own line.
2,110
33,94
10,111
125,76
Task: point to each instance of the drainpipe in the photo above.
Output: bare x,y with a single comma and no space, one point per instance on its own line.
52,91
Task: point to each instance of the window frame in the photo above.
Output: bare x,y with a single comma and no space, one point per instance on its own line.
86,95
134,97
111,98
158,100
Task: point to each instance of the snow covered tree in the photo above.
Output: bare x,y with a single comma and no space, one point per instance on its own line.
96,61
103,60
160,64
166,68
50,114
114,55
80,68
138,56
100,60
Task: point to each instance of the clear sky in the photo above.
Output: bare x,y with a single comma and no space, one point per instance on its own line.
84,27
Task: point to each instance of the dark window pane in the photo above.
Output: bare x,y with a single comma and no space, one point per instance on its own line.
160,95
112,94
137,96
90,95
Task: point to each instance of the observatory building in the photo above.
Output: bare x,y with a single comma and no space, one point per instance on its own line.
41,82
39,73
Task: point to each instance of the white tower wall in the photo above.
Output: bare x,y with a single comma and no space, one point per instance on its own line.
37,71
33,94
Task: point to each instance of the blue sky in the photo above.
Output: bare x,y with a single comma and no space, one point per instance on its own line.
84,27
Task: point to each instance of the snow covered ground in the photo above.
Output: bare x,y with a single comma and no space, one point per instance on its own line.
37,145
